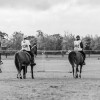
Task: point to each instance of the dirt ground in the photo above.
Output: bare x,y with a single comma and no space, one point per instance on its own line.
52,81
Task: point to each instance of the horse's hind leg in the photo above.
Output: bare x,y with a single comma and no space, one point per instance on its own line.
76,71
73,71
80,71
24,72
32,72
19,75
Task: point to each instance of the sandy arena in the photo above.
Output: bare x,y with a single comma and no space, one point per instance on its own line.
52,81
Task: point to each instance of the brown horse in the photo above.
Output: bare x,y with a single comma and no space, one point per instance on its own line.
22,60
76,60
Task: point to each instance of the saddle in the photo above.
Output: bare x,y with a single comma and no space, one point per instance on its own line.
27,53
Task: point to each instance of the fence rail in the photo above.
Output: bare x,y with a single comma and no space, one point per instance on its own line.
50,52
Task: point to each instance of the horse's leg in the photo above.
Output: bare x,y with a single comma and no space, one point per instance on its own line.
73,70
0,70
32,72
24,72
80,71
76,71
17,71
19,68
19,75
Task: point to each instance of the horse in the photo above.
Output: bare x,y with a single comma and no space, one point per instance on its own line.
76,60
22,60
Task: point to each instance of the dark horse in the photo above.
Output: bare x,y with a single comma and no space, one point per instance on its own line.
76,60
22,60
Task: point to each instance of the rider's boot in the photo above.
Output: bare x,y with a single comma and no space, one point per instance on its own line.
84,62
1,62
32,61
0,70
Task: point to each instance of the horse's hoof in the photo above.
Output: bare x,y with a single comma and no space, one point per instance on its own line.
17,76
32,77
20,77
79,76
70,72
1,63
33,64
24,77
76,76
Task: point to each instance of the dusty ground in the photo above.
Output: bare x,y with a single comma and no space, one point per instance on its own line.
52,81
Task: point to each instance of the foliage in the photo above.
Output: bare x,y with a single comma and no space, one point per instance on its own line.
68,42
15,42
49,42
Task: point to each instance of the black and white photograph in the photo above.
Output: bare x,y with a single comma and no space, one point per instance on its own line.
49,49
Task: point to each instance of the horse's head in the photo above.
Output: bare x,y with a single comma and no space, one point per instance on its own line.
34,49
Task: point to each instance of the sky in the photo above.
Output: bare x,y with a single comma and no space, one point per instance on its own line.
79,17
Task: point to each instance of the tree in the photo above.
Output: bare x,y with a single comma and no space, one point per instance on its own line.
96,43
16,40
49,42
2,35
88,44
33,40
40,40
68,42
58,41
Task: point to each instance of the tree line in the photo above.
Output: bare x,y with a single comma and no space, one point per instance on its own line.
48,42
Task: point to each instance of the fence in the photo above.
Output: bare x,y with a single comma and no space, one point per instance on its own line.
48,53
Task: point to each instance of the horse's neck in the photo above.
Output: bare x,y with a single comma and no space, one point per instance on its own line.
27,53
76,52
34,46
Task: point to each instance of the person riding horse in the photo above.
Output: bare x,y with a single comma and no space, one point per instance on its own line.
78,46
25,44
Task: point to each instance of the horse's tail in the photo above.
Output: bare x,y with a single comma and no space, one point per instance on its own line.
72,57
17,61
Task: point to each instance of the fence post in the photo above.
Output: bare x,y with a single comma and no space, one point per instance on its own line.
0,49
0,55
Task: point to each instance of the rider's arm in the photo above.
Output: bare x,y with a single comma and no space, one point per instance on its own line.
81,45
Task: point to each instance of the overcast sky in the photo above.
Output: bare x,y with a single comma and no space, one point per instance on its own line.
51,16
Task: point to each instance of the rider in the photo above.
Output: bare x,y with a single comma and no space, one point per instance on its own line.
78,46
26,45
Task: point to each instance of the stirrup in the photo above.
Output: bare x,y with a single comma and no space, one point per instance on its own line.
84,63
33,64
1,62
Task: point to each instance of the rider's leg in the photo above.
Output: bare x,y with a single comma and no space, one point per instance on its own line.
32,58
84,56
